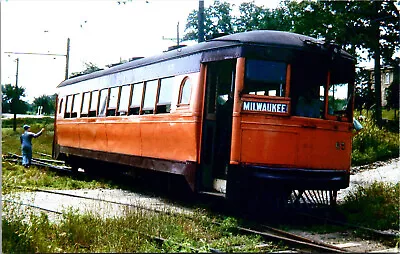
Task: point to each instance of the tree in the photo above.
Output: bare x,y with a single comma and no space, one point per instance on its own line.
89,68
47,102
364,94
370,27
218,19
11,101
392,92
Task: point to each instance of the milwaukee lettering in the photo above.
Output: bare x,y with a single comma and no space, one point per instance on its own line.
265,106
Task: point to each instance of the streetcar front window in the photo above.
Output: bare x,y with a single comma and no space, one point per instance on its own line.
307,89
340,91
266,78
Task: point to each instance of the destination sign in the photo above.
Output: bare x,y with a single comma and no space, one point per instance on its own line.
265,107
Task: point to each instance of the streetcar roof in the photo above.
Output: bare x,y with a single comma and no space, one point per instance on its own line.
257,38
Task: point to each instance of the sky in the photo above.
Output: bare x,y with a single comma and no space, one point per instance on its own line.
100,32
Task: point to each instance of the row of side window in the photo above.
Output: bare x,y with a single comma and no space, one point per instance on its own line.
150,97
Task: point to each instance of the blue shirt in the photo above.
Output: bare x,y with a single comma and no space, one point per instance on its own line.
26,138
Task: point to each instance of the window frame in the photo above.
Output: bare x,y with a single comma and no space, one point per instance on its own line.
67,112
126,110
98,104
75,99
155,99
158,105
82,114
60,105
288,73
136,107
112,111
90,114
181,86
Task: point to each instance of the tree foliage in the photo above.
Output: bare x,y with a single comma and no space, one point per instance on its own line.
47,102
366,29
364,94
218,19
350,24
89,68
11,99
392,92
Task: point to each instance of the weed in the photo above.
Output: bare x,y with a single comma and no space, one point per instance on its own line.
374,144
376,206
131,233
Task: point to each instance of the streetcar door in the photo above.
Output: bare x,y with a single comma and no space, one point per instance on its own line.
217,122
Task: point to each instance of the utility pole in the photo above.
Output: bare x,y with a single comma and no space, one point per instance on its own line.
377,68
177,34
15,99
67,59
200,18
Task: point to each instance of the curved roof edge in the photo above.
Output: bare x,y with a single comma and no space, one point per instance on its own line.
260,37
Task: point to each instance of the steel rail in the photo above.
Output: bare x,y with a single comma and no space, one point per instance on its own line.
44,154
158,238
308,243
298,240
137,231
377,232
301,238
38,159
33,206
93,199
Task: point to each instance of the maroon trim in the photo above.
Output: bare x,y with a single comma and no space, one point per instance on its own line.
187,169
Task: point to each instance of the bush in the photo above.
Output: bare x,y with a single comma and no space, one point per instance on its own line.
374,144
35,123
375,206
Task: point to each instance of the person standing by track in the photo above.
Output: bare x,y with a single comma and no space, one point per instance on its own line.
26,144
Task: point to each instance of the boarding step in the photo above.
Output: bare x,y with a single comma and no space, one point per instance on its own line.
219,185
213,193
219,188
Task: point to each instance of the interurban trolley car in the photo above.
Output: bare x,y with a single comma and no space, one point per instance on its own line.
260,112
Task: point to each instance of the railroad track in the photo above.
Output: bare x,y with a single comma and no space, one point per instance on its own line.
264,231
267,232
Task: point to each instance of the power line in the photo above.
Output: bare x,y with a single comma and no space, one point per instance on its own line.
31,53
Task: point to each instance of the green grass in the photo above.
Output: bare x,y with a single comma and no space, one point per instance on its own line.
376,206
44,122
90,233
16,175
11,142
390,114
374,144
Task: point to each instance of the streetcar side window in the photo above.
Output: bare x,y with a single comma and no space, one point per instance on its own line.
68,107
60,106
103,102
150,96
85,104
76,105
123,104
94,100
266,78
134,108
165,95
113,101
184,93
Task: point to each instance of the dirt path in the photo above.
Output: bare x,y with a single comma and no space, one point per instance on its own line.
387,171
381,171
